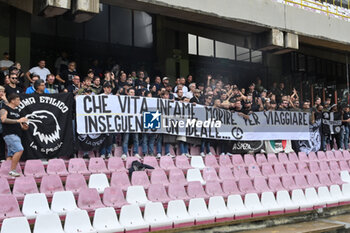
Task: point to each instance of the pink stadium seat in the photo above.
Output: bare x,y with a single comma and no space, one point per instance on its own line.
166,163
324,179
209,173
249,159
272,158
157,193
89,199
293,157
321,155
282,158
98,165
6,167
75,182
114,197
158,176
254,170
177,176
129,161
225,173
213,188
34,168
275,184
9,207
303,157
195,190
313,180
301,182
176,191
4,186
182,162
314,167
324,166
78,165
210,161
229,187
246,185
239,172
194,150
330,155
225,161
303,168
260,184
288,182
335,178
260,159
116,164
151,160
120,179
312,156
280,170
237,160
24,185
50,184
267,170
56,167
338,155
346,154
343,164
140,178
292,169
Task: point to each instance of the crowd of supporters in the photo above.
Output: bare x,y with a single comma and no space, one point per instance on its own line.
212,92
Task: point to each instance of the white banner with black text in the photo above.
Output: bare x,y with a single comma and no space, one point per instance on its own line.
132,114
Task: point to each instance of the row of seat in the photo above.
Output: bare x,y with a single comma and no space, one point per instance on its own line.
230,181
89,198
323,161
156,218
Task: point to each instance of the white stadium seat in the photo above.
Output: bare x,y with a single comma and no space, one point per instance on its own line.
99,182
136,195
131,218
106,221
198,209
217,207
62,202
48,223
78,221
34,204
155,216
177,212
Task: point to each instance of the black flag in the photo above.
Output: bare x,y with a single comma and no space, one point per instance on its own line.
50,132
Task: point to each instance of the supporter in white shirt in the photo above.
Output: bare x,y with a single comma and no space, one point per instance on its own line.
5,63
39,70
183,87
192,88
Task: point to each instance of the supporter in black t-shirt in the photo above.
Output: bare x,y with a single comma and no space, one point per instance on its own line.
12,86
66,76
12,124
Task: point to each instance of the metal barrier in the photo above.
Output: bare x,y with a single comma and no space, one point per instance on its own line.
317,5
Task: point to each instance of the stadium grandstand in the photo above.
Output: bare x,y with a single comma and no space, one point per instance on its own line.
174,116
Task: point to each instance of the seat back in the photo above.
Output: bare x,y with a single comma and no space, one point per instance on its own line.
75,182
56,167
78,221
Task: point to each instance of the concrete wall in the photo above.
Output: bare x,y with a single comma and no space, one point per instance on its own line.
248,15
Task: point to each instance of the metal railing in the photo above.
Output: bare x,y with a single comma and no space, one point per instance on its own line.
318,6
